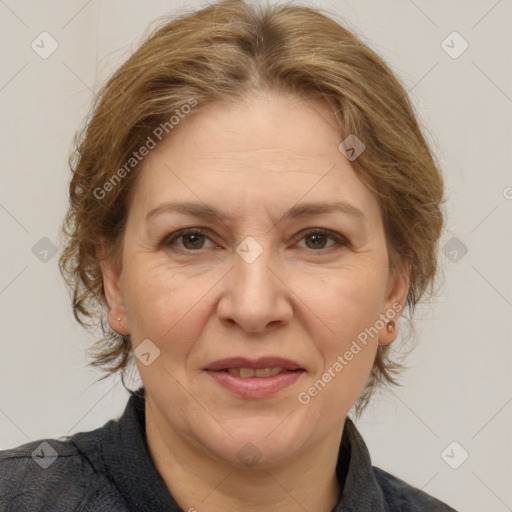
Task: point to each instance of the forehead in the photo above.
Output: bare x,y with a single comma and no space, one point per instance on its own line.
271,126
270,150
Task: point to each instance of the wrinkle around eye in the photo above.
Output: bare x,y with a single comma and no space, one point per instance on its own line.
339,241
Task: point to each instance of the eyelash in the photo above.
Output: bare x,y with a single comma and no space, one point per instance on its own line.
340,240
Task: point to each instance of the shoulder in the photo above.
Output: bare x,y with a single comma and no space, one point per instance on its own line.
54,474
402,497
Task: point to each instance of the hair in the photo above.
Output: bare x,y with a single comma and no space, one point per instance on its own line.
222,53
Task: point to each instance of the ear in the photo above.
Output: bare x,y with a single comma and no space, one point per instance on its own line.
396,295
112,284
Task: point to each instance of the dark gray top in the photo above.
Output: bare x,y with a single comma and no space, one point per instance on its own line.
110,469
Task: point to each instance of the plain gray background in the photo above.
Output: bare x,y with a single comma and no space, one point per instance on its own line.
459,386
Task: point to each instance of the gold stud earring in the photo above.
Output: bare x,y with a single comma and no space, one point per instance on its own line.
390,326
119,319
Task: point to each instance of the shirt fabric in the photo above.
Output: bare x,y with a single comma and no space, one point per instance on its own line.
110,470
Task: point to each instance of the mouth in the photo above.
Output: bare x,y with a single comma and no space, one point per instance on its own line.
255,378
246,373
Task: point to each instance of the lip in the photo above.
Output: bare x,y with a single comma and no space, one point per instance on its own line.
255,387
261,362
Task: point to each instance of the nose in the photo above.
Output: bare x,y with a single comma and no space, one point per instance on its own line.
255,296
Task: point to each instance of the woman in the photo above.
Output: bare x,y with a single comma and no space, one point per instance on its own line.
252,207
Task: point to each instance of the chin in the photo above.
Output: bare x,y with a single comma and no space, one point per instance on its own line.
257,443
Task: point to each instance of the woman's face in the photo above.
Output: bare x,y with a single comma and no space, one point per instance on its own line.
280,272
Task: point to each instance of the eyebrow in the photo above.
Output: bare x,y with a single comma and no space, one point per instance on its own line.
301,210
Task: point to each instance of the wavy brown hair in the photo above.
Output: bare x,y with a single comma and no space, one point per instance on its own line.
220,54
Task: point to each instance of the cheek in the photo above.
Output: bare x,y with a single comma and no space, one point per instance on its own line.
166,304
346,300
347,307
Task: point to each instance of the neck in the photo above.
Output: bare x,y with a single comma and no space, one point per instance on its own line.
200,482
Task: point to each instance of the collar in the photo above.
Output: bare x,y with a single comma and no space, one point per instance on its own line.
126,455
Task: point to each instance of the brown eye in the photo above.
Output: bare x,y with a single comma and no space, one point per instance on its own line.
193,240
316,239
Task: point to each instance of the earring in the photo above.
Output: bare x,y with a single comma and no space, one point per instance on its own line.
390,326
119,319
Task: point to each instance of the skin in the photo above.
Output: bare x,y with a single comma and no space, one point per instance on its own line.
305,298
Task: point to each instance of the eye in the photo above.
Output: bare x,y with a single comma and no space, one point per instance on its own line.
318,238
192,239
